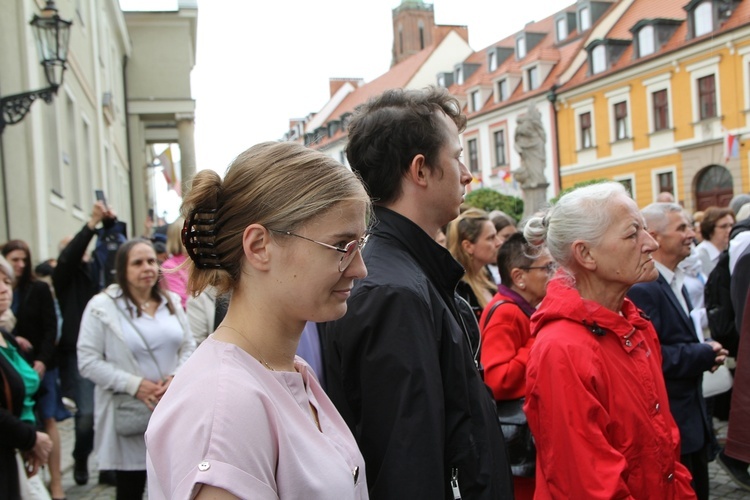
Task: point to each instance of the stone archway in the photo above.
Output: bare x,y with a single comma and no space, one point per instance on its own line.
713,187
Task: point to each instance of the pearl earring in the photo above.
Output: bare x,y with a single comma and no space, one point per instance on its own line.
522,285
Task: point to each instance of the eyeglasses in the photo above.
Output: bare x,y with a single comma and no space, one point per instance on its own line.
550,267
349,250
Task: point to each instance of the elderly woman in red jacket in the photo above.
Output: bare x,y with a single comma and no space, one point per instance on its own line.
595,396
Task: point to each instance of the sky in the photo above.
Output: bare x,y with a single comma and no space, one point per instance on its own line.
261,63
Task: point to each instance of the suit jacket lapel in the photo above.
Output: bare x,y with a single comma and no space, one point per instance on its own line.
676,304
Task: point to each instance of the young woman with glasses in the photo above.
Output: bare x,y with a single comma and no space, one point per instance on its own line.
246,418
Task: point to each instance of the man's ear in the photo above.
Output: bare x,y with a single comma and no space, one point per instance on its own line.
418,171
582,255
256,245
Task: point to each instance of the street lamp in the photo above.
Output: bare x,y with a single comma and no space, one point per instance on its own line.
52,36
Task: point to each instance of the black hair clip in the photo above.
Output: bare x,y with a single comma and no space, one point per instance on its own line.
199,237
595,329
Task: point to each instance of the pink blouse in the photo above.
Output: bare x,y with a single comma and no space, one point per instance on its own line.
229,422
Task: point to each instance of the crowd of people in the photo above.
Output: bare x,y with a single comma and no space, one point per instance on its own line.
306,330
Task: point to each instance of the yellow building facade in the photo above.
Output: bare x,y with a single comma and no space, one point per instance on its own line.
662,104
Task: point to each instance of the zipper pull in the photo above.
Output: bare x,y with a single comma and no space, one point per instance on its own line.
454,484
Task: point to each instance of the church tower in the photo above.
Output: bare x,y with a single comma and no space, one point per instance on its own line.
413,23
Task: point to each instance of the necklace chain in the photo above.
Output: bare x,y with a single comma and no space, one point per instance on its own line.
262,359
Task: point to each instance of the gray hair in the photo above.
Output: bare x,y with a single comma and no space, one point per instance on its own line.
736,203
656,215
744,212
7,269
579,215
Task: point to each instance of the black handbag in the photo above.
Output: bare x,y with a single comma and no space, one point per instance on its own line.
518,439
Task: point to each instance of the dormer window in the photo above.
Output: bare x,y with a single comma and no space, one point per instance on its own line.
650,35
476,101
502,90
533,76
598,59
463,71
492,61
561,27
603,54
703,21
520,48
706,16
584,18
646,41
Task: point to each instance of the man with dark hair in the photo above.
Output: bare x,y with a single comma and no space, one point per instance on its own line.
684,355
399,365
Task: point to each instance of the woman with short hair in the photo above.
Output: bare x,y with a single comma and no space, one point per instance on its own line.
506,335
715,228
595,395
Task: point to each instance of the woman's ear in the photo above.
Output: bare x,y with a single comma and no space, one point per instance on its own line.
256,245
582,255
468,247
517,275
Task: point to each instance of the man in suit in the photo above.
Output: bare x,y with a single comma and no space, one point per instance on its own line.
685,355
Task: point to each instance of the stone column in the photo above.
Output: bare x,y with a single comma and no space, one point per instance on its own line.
186,137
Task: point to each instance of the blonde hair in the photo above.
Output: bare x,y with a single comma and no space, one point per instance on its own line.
468,226
280,185
174,237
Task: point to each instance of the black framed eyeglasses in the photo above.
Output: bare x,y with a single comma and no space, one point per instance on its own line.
349,250
549,268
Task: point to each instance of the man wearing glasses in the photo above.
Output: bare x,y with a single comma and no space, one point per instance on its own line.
399,364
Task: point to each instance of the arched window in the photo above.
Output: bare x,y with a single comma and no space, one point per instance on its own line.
713,187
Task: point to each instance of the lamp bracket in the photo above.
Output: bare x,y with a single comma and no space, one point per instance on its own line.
14,107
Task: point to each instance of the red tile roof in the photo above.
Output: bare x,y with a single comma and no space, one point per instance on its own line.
547,49
648,9
397,77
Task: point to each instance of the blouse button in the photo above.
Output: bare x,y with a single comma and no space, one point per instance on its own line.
657,406
670,477
204,466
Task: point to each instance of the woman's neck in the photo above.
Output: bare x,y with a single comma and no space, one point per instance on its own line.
258,331
609,295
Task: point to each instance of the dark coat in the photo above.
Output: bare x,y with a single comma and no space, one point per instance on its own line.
400,371
14,433
37,322
684,359
74,286
738,433
739,285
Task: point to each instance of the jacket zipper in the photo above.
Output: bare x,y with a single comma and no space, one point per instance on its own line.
454,484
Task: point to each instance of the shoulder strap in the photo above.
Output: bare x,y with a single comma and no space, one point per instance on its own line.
492,311
148,347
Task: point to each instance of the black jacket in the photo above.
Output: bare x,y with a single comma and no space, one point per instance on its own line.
399,368
36,321
14,433
74,286
684,359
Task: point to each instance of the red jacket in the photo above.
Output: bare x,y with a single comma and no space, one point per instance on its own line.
597,405
506,342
